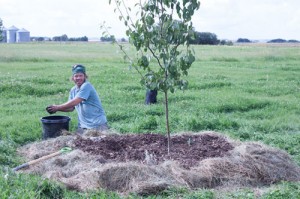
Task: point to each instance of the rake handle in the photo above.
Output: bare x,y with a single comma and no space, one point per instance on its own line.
36,161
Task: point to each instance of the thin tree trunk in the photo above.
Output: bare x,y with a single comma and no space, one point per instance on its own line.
167,121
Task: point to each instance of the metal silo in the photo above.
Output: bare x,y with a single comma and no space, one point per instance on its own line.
23,35
11,34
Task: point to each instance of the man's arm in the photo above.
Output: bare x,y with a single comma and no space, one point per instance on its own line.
66,107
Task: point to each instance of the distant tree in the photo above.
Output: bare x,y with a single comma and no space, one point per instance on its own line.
223,42
293,41
79,39
205,38
243,40
1,29
85,38
64,37
56,38
226,42
40,39
37,38
123,40
110,38
277,41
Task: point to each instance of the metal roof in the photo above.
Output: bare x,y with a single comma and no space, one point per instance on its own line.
22,30
13,28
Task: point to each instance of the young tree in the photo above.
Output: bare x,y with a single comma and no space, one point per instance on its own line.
161,35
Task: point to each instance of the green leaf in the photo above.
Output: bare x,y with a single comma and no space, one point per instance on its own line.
172,90
143,62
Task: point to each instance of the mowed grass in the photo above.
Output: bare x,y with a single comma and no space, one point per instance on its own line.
250,93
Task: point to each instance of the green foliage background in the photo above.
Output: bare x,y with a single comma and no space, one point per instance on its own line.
247,92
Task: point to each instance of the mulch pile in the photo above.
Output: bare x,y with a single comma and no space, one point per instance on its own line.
141,163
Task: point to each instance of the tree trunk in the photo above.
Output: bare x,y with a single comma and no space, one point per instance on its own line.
167,120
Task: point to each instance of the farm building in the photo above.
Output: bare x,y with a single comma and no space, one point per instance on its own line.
13,35
23,35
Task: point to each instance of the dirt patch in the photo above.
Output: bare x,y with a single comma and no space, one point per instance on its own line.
141,163
186,149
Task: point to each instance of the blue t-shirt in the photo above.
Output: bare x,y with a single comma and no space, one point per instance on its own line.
90,112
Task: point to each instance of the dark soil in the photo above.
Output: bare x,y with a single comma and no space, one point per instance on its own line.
187,149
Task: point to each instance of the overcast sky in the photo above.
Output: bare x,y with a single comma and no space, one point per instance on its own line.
228,19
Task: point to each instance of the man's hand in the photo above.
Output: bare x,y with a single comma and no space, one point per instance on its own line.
66,107
51,109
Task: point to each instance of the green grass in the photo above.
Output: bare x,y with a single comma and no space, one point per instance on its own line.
250,93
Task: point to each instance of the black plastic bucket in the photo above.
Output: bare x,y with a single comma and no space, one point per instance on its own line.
53,125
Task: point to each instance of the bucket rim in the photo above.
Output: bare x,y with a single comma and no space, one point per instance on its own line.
59,119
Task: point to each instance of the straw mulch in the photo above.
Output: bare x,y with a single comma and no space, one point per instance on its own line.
140,163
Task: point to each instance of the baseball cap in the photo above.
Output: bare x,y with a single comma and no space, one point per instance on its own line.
78,68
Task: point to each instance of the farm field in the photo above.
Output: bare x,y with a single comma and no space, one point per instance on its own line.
246,92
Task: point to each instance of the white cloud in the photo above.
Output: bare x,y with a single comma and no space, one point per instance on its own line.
232,19
254,19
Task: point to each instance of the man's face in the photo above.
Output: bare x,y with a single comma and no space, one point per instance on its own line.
79,78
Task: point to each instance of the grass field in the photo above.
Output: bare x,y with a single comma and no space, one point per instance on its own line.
247,92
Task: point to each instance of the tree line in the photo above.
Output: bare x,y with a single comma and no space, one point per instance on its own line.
200,38
63,37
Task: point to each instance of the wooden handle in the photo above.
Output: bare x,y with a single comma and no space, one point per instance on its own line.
43,158
63,150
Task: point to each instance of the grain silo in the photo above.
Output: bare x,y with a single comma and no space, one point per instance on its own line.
23,35
11,34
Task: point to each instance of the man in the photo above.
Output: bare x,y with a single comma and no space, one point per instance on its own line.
84,98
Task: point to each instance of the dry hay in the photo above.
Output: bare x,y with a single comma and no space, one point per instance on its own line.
247,164
38,149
